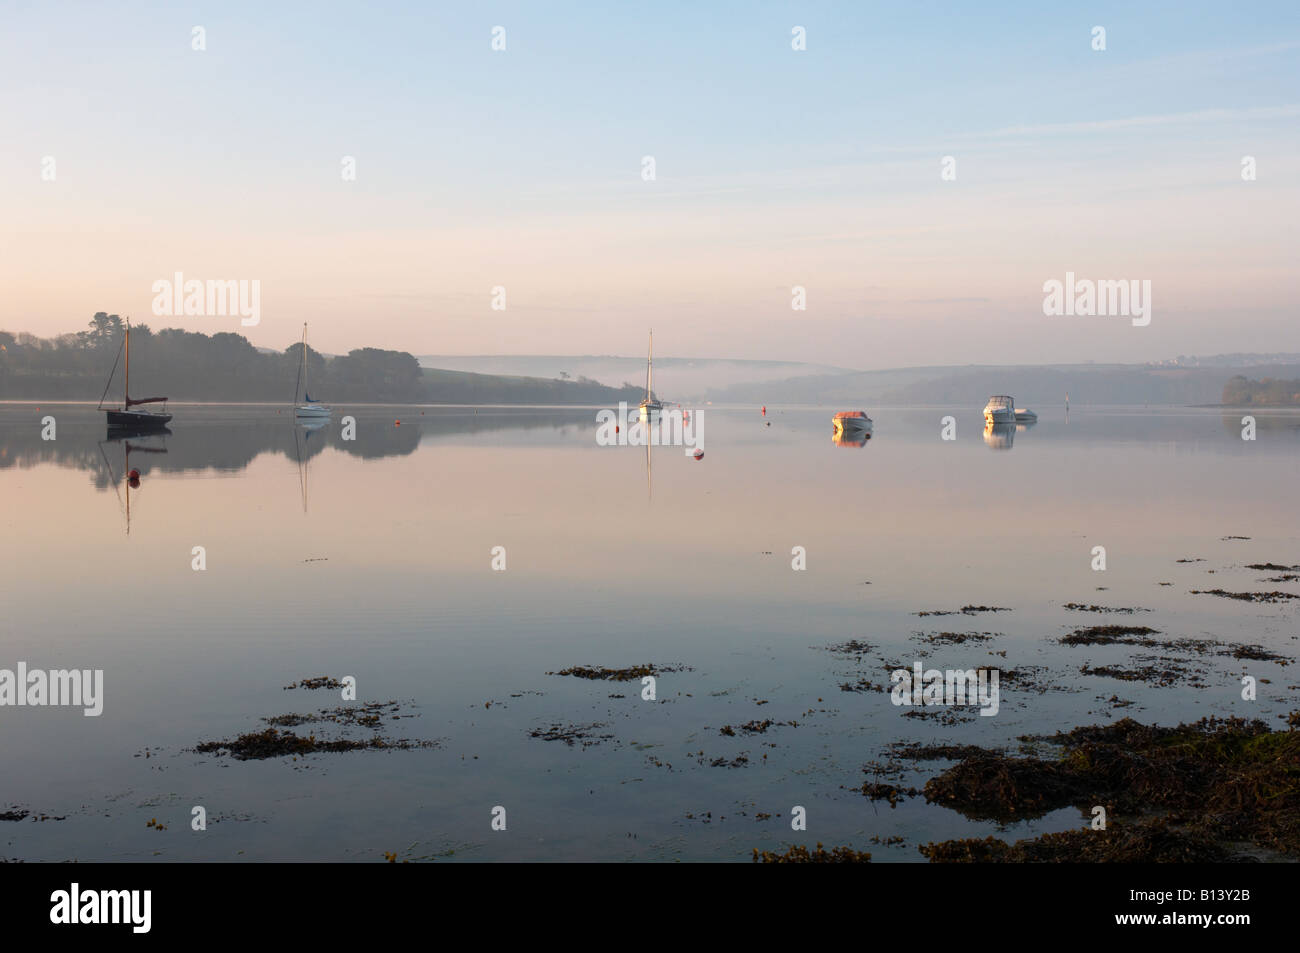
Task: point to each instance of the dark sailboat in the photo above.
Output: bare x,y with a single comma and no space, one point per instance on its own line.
124,419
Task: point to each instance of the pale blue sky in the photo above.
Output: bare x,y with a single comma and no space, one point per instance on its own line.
774,167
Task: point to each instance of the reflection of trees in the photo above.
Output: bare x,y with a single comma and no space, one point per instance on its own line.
231,445
1277,423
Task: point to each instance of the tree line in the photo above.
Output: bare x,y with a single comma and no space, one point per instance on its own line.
188,365
1270,392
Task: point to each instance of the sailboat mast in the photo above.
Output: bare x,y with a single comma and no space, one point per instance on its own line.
304,359
126,383
649,365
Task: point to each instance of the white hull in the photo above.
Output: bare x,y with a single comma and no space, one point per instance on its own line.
312,411
650,411
1000,409
852,424
1026,416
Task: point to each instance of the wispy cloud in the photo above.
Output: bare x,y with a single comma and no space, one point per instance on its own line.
1103,125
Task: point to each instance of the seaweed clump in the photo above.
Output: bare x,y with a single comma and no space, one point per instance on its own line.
619,674
1109,635
272,743
1186,793
1153,842
319,681
1247,596
802,855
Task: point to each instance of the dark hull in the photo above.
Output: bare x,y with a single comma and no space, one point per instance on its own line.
137,421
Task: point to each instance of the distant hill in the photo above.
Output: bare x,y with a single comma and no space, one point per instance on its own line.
463,387
972,385
676,379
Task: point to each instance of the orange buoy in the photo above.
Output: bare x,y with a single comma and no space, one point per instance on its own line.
765,410
134,474
699,454
397,423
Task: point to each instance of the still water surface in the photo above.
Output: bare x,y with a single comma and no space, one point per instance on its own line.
373,558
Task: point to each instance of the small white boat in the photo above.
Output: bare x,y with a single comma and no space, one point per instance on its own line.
310,409
650,408
1000,409
851,421
1025,416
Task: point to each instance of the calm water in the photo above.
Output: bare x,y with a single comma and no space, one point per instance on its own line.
372,558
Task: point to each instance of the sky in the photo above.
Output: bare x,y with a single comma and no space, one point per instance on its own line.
522,169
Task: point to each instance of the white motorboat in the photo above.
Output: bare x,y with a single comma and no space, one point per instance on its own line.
851,421
1025,416
1000,409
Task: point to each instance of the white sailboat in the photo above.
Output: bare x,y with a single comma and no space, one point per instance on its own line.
650,408
309,409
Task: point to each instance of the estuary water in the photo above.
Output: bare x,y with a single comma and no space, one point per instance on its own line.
450,559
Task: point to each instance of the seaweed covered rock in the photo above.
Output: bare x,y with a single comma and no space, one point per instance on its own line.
1194,792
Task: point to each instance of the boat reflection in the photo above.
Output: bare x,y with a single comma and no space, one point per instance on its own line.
130,444
303,429
999,436
850,438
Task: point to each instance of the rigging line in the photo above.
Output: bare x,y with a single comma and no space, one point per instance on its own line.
300,366
110,374
111,477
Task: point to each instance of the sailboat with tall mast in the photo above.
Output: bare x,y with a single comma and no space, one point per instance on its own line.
650,407
309,409
124,419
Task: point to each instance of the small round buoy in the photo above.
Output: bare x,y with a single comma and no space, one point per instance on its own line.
699,454
616,428
765,410
397,423
134,474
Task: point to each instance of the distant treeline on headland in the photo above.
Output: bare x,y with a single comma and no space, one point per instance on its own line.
1270,392
185,365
